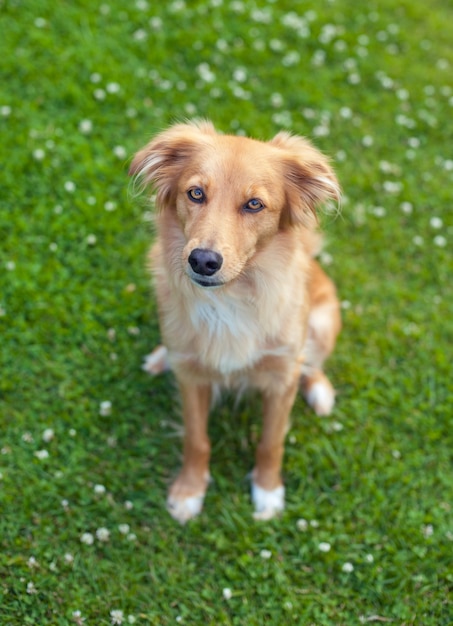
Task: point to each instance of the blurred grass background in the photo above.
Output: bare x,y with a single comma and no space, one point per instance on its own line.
84,535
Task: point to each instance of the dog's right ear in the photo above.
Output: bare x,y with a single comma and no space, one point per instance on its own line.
160,163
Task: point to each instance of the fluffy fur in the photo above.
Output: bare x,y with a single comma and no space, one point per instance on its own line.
242,302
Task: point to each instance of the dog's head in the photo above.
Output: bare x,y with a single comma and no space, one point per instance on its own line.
232,194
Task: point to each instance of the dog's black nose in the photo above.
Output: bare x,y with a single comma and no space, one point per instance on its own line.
205,262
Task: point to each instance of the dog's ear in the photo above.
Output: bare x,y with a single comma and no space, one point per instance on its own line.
160,163
310,180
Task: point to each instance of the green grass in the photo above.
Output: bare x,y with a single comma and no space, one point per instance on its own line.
374,480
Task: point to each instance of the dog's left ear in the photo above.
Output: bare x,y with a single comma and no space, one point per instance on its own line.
310,180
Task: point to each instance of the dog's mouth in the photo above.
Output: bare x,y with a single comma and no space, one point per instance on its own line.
203,282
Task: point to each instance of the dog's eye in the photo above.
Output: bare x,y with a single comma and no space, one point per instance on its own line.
254,205
196,195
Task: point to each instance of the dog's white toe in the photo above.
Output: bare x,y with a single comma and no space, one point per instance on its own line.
321,397
268,503
157,361
182,510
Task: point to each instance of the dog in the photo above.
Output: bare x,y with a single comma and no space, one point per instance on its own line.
242,301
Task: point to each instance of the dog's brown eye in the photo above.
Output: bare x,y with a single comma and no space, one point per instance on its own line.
196,195
254,205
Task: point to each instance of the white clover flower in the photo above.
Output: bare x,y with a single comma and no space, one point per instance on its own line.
240,74
440,241
27,437
391,186
324,546
128,505
40,22
39,154
103,534
190,108
227,593
48,435
41,455
276,100
95,77
69,186
5,110
113,88
265,554
116,617
318,58
91,240
276,45
77,618
314,523
369,558
140,35
120,152
105,408
205,73
418,240
379,211
156,23
290,59
99,489
31,589
406,207
177,5
367,141
436,222
85,127
72,432
99,94
87,539
68,558
124,529
32,563
347,568
328,32
302,524
65,504
263,16
428,530
322,130
132,537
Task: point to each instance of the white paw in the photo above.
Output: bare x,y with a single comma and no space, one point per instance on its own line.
321,397
267,503
182,510
157,361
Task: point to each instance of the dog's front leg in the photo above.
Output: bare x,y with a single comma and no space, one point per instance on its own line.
185,499
268,492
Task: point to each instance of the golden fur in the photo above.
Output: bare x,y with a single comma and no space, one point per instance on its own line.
242,302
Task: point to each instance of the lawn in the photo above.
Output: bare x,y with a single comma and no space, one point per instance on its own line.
89,443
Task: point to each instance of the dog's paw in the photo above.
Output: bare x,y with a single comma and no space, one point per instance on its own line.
320,395
157,361
268,503
184,509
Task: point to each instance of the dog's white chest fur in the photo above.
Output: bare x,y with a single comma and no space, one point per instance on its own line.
228,331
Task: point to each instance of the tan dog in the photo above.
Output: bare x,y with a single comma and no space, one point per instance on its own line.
241,301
